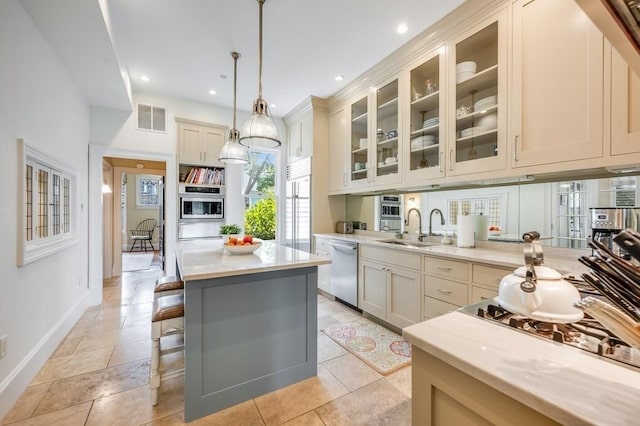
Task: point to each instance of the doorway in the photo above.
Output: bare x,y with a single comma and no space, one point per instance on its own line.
133,215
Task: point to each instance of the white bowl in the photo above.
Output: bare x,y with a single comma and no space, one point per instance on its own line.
488,121
363,142
390,160
485,103
246,249
466,66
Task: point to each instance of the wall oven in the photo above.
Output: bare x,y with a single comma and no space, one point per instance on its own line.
201,202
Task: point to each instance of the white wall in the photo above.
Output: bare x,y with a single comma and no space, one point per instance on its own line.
39,102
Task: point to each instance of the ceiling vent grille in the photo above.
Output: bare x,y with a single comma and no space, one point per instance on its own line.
152,118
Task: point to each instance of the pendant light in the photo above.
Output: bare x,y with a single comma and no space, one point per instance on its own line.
259,131
232,152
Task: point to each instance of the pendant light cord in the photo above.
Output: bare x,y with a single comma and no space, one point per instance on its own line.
235,56
260,2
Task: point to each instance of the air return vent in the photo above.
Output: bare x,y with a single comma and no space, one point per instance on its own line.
152,118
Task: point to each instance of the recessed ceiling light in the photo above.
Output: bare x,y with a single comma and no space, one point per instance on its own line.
212,92
144,78
339,77
274,106
402,28
140,165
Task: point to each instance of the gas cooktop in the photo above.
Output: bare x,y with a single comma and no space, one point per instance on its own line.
587,334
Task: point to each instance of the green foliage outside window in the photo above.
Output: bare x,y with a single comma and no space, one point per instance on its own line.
260,219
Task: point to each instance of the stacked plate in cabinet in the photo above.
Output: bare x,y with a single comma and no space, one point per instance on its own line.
422,142
431,122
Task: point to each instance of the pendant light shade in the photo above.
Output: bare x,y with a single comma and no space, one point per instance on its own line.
232,152
259,131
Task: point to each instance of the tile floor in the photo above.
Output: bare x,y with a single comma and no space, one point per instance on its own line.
99,375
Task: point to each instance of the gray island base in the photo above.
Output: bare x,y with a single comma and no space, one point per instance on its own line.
248,335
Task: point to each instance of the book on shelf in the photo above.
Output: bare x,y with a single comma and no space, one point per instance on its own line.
205,176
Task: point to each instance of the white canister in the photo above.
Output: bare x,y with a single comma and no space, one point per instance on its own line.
481,227
466,225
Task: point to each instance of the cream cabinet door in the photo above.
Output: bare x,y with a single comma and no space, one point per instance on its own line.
200,145
212,140
189,144
625,108
403,297
477,99
338,142
372,288
294,134
557,85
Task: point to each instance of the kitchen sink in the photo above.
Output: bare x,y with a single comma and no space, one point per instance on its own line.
409,243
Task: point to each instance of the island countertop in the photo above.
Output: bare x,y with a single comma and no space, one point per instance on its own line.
207,258
565,383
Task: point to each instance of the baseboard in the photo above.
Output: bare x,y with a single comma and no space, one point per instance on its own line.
17,381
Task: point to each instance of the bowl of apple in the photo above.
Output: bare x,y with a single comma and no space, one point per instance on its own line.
244,245
495,230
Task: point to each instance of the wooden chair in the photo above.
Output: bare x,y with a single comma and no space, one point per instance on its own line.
143,234
167,320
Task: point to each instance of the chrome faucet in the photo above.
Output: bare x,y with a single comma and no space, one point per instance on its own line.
406,222
431,217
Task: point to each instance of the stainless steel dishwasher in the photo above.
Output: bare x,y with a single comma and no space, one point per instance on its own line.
344,270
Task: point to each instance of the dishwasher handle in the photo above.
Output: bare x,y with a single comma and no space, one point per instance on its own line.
355,247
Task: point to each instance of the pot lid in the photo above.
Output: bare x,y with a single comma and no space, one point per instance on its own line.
542,273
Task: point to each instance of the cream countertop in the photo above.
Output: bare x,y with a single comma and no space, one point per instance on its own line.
564,383
507,255
202,259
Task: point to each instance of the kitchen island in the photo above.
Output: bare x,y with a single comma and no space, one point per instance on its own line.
250,322
466,370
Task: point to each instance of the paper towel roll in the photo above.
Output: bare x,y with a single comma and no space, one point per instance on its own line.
465,231
481,227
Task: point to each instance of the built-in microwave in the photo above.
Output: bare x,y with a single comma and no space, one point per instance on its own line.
198,207
201,202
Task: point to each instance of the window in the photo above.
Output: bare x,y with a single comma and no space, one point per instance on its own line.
490,206
148,191
47,191
259,195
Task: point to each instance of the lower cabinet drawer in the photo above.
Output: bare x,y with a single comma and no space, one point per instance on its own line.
488,275
434,307
445,290
445,268
478,294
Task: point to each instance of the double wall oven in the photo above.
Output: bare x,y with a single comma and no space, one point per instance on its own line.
201,211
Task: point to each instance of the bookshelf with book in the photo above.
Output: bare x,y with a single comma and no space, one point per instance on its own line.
202,175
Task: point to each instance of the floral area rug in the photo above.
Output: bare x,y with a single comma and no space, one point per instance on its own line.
382,349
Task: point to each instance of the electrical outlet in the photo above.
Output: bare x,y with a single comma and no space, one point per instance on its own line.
3,346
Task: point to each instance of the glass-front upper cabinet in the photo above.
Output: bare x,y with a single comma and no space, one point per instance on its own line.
359,141
425,121
387,137
478,110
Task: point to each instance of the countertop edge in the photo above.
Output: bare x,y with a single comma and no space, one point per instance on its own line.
541,374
